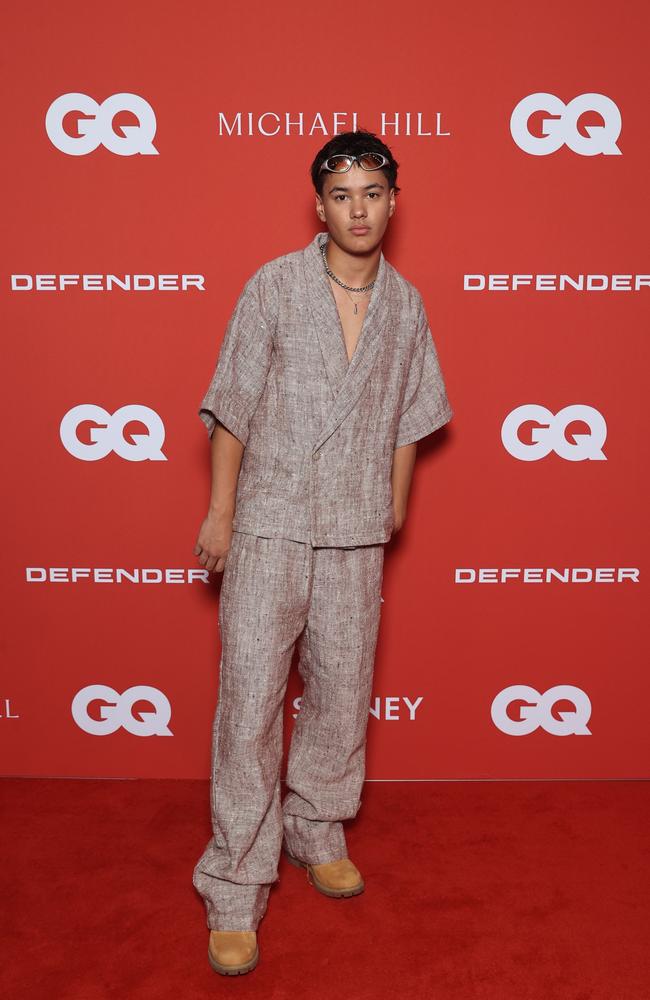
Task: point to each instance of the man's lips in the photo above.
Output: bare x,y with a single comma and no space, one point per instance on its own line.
360,229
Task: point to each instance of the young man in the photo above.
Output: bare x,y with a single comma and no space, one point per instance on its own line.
326,378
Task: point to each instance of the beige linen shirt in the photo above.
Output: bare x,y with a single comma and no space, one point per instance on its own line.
320,432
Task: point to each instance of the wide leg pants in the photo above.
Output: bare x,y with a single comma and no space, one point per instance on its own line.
276,592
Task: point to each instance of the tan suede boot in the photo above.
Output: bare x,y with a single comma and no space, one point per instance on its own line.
334,878
232,953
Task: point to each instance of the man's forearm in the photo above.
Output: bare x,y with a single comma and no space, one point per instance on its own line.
401,475
226,456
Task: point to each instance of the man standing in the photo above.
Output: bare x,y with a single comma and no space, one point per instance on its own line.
326,378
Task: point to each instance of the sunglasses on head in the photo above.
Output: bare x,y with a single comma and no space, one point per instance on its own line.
340,163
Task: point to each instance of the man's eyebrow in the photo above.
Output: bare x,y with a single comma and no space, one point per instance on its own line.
365,188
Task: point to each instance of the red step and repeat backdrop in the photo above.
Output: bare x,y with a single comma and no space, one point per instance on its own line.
155,155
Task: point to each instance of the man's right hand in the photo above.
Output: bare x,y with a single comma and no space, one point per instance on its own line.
213,542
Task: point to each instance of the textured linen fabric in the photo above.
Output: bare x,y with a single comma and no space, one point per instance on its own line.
320,431
276,592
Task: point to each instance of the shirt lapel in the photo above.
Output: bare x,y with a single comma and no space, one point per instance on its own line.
346,379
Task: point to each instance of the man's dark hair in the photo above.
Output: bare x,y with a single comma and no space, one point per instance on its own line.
353,143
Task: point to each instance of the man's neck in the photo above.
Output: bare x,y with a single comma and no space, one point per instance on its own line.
356,270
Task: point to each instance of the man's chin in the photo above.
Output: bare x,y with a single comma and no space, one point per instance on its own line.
359,244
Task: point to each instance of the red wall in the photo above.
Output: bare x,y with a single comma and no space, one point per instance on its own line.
108,496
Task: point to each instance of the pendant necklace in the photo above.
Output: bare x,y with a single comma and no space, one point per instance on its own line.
347,288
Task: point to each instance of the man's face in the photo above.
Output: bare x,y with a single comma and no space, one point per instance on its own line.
356,199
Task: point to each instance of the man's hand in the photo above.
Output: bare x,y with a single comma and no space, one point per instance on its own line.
399,516
213,542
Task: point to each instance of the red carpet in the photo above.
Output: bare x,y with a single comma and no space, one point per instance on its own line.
481,890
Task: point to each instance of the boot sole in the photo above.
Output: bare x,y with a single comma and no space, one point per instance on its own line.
313,880
234,970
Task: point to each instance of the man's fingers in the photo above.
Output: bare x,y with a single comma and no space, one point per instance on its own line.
211,563
214,564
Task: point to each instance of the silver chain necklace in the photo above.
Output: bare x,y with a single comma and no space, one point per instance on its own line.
348,288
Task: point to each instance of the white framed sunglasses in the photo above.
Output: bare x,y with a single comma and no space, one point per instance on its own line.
340,163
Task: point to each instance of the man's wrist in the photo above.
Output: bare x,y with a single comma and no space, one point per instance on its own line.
222,509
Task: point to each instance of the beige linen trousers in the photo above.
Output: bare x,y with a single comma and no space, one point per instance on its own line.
274,592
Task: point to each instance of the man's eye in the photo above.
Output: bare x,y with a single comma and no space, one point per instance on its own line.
371,194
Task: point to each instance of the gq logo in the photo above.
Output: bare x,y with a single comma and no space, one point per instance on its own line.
537,711
117,711
550,433
563,127
108,433
95,124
